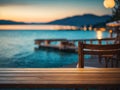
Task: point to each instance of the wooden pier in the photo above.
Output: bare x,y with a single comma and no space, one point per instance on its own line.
68,45
64,45
47,41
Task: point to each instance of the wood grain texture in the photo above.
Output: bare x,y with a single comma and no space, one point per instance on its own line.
108,51
59,77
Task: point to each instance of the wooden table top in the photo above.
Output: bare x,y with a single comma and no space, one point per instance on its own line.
59,77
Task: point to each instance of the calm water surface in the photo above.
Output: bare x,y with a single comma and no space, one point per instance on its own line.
17,48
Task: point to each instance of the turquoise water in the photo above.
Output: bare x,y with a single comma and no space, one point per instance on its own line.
17,48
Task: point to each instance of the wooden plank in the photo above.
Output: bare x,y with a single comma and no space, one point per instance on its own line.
61,39
59,84
59,77
101,47
80,55
8,72
104,39
102,52
61,69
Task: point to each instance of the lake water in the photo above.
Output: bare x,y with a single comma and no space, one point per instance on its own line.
17,47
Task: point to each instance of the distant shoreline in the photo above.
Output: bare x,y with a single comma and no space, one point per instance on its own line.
77,20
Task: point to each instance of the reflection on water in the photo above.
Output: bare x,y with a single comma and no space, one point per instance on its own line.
99,34
28,27
17,48
36,27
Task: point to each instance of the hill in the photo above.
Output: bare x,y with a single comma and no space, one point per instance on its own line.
78,20
2,22
81,20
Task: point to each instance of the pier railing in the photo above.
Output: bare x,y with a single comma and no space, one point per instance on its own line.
69,45
98,41
91,41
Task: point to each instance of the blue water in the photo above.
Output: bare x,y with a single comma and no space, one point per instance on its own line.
17,48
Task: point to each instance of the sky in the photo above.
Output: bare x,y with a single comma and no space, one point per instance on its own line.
49,10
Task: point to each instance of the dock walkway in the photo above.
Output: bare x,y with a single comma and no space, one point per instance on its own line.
68,45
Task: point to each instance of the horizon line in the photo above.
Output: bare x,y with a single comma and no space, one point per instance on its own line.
56,19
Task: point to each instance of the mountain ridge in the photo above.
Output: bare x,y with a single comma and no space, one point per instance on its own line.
81,20
77,20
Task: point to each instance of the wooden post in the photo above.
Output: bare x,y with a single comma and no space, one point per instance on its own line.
47,42
62,44
84,41
80,55
91,42
106,62
99,56
99,42
107,42
112,63
38,42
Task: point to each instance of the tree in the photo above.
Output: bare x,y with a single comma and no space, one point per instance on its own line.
116,11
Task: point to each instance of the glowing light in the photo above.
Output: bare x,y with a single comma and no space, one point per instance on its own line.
102,29
28,27
109,3
99,34
95,29
110,31
90,27
84,28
